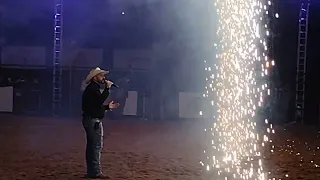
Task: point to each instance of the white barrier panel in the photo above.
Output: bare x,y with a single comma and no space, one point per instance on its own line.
6,99
189,105
130,107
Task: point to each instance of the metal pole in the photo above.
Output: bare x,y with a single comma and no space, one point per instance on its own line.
302,60
1,36
144,117
57,51
70,91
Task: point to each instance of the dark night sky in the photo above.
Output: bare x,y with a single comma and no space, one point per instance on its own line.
101,24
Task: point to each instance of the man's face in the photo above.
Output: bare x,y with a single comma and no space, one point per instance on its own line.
99,78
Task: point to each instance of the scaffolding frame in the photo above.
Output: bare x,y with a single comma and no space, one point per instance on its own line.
302,60
57,48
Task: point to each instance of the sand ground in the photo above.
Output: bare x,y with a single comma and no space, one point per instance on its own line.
35,148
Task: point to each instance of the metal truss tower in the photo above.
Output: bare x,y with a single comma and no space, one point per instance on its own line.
302,59
57,47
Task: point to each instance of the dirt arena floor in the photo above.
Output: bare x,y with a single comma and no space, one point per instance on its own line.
53,149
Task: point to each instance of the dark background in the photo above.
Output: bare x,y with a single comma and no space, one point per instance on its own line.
163,21
286,54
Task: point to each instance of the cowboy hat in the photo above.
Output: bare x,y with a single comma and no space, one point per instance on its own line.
95,72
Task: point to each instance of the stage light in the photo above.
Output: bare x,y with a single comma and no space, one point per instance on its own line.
237,84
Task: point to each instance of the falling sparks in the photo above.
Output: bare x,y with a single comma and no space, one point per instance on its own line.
236,87
306,152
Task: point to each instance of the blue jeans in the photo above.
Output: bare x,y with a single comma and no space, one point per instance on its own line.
94,132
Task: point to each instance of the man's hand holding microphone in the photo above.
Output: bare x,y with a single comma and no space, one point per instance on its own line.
109,84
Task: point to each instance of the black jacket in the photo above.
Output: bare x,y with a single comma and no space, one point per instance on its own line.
92,101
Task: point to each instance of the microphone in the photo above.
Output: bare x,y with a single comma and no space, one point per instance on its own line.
113,84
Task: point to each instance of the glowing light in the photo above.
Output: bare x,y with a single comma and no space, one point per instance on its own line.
236,88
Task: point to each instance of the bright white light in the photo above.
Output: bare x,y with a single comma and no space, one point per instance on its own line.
123,13
237,84
277,15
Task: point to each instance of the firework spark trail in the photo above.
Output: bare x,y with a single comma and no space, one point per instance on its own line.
236,86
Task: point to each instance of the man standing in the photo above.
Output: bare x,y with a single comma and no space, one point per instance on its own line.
94,95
